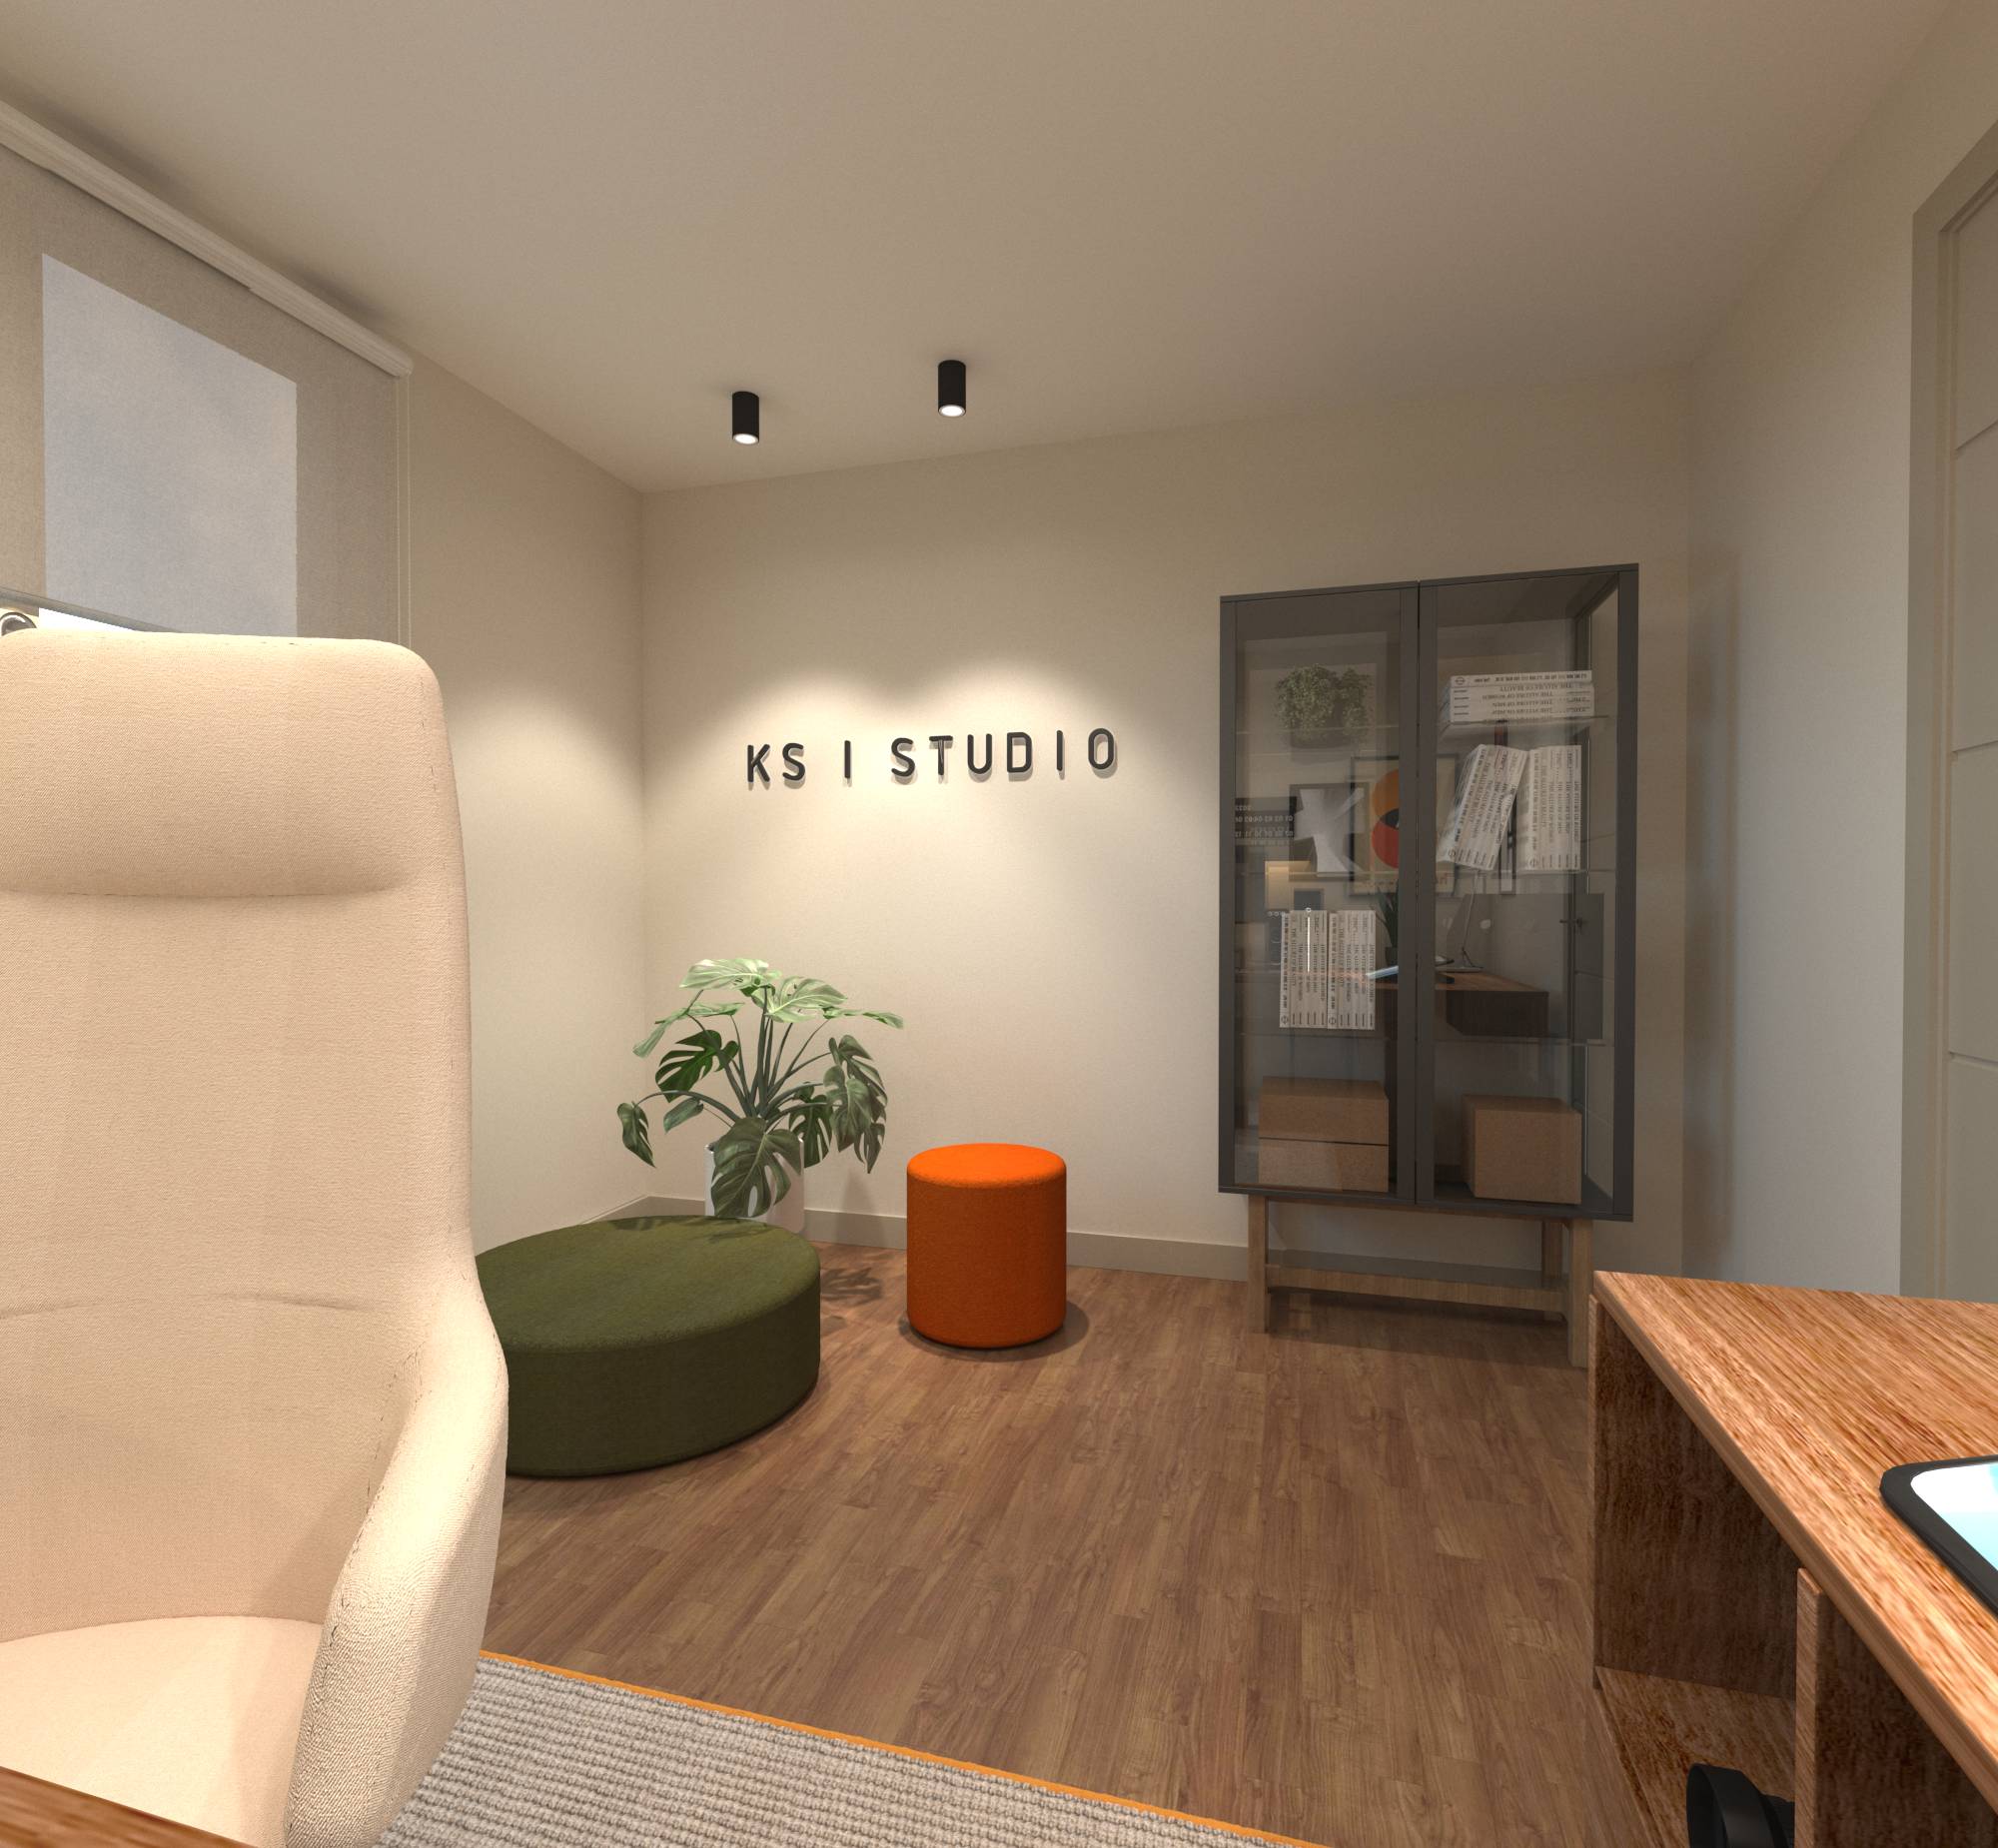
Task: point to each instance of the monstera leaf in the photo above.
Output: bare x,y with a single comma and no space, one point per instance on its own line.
695,1010
637,1132
744,973
852,1058
800,998
754,1160
804,999
810,1118
684,1110
858,1097
848,1100
687,1061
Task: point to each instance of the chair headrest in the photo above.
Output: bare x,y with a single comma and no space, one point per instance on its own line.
220,766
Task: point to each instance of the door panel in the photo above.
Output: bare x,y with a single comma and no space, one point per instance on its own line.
1974,667
1970,1252
1972,1014
1964,1084
1976,396
1949,1067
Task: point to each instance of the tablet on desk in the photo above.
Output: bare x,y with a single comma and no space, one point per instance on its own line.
1953,1507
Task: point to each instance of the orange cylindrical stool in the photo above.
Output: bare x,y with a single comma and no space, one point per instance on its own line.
988,1244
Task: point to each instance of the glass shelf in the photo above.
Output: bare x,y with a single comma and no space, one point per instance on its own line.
1275,741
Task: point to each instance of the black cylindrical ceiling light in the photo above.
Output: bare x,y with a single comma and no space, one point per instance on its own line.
950,388
746,422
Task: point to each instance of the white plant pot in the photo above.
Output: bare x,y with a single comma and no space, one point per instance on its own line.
789,1213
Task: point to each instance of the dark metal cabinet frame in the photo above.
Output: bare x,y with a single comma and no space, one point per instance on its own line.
1243,617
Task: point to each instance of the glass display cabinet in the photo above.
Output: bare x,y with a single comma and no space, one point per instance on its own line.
1428,924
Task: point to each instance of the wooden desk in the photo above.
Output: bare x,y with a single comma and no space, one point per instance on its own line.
1755,1603
38,1815
1478,1003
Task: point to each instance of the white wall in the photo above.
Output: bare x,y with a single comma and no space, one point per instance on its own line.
1798,695
523,589
1051,942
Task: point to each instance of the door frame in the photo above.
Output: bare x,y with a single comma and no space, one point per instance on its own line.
1931,617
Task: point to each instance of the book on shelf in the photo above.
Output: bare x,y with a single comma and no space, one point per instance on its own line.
1351,979
1325,962
1289,987
1550,810
1486,783
1265,821
1495,699
1316,930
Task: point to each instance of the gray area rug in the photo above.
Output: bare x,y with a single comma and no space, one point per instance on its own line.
540,1758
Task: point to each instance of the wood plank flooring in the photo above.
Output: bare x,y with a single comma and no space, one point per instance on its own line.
1326,1581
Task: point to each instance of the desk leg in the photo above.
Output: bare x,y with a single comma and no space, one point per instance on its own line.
1691,1583
1258,1262
1551,1251
1581,1284
1868,1768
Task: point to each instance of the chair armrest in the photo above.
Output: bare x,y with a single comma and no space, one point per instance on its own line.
407,1612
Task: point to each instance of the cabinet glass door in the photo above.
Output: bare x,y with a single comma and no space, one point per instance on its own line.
1529,696
1317,1075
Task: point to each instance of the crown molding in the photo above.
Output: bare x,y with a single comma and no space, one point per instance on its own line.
29,139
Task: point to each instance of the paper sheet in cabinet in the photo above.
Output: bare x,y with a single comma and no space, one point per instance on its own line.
1353,985
1551,810
1326,964
1486,787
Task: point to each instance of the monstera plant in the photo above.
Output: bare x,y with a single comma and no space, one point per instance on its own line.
784,1109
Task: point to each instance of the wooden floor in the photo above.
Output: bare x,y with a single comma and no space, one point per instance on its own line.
1326,1583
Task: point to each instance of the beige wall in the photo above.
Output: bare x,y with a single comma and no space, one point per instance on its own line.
1051,942
1798,676
524,593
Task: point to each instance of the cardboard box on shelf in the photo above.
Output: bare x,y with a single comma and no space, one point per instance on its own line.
1523,1147
1341,1110
1336,1167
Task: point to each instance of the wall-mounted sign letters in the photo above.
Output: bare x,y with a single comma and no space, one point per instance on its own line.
979,756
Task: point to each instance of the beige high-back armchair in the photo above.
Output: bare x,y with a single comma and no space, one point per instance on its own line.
252,1411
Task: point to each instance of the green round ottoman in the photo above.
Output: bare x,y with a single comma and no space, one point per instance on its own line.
636,1341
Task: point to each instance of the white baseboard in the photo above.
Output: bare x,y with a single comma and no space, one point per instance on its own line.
1109,1251
1130,1251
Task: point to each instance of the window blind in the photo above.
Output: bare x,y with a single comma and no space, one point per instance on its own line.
180,452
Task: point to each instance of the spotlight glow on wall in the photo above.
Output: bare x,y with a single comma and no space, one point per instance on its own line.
745,417
950,388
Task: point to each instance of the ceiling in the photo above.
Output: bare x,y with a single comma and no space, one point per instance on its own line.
1124,213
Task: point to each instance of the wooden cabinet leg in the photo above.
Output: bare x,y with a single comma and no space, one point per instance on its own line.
1550,1251
1581,1284
1258,1262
